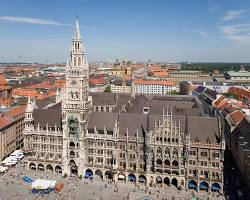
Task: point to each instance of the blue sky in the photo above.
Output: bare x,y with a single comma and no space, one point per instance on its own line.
160,30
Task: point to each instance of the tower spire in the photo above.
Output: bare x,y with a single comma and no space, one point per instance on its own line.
77,35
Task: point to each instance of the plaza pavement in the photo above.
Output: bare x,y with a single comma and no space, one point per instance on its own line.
13,188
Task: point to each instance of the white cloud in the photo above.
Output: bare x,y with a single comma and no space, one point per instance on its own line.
232,14
212,9
29,20
239,33
205,35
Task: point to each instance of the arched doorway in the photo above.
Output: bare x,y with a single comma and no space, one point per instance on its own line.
158,180
99,173
142,179
58,169
192,185
88,174
167,181
49,168
215,187
41,167
174,182
32,166
73,168
132,178
204,186
108,174
121,176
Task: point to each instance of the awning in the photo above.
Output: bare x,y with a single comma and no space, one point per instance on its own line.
41,184
203,186
3,169
142,179
191,185
215,188
121,176
131,178
88,174
27,179
158,178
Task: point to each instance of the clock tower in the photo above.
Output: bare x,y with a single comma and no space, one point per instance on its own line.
76,105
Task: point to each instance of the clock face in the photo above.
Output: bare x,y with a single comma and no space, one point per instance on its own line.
73,82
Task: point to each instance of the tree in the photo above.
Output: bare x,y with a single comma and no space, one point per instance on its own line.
107,89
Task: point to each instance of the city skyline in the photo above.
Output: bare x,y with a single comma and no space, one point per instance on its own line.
208,31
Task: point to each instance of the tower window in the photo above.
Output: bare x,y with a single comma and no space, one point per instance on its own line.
74,61
79,61
77,95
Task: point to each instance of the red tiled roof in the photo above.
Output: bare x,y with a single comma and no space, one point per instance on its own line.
237,116
5,121
160,73
154,82
16,111
3,81
154,67
95,81
218,101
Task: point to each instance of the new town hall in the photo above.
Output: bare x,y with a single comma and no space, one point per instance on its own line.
147,139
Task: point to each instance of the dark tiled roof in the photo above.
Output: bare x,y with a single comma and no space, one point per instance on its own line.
105,98
132,122
200,89
180,105
102,119
198,127
210,93
241,133
51,116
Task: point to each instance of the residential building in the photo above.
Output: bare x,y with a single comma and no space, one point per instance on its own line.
240,76
143,86
5,93
121,86
11,129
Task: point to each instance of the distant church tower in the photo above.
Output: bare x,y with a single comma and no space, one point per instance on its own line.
76,104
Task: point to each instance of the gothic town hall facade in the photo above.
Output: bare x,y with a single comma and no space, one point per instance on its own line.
155,140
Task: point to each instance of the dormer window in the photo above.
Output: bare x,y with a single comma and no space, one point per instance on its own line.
145,110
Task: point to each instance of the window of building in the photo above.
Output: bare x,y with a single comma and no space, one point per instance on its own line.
203,153
90,160
216,155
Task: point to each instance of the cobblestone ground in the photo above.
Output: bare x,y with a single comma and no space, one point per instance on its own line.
12,188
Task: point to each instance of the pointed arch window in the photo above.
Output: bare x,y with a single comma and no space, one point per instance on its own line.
79,61
77,95
75,61
175,152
